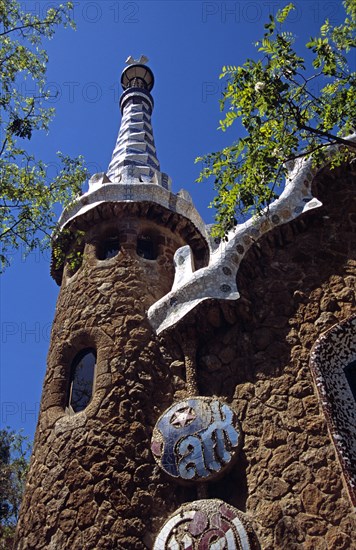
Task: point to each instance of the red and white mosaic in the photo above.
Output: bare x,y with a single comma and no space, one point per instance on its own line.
206,525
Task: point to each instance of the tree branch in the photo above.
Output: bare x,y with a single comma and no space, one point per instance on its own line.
10,229
3,146
33,25
309,152
326,135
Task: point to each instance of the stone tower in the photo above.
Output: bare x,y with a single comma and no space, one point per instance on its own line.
175,415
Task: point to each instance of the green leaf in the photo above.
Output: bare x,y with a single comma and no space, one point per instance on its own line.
283,13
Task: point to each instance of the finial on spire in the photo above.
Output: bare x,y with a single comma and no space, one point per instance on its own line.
131,61
137,74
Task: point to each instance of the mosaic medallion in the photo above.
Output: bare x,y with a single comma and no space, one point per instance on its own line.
206,525
196,439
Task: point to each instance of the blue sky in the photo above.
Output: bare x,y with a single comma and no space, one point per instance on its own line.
187,43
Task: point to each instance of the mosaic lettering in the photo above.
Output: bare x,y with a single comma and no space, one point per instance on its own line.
196,439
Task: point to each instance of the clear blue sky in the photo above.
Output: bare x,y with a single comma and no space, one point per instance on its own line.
187,43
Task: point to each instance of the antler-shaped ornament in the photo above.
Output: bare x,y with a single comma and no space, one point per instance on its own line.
218,279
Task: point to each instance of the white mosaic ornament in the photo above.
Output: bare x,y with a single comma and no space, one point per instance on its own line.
209,524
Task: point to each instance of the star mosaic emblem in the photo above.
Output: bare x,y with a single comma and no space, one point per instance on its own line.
183,417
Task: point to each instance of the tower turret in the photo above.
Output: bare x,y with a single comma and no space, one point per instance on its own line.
134,181
93,482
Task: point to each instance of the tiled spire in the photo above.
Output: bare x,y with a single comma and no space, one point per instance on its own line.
135,153
134,174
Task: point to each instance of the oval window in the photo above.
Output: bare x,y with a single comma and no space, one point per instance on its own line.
109,248
145,248
82,379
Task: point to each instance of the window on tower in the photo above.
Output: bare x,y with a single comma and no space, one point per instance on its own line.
108,248
82,380
146,247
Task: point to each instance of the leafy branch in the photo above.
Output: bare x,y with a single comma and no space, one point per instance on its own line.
282,116
28,197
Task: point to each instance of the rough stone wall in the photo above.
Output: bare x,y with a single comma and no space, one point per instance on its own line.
298,282
93,483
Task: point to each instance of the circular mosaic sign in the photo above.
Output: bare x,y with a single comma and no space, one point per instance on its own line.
206,525
196,439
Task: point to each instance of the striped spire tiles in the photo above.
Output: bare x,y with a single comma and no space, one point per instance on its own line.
135,145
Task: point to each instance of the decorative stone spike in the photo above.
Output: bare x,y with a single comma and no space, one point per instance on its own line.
207,525
196,440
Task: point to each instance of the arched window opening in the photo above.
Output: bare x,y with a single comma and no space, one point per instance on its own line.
109,248
350,373
146,247
82,380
